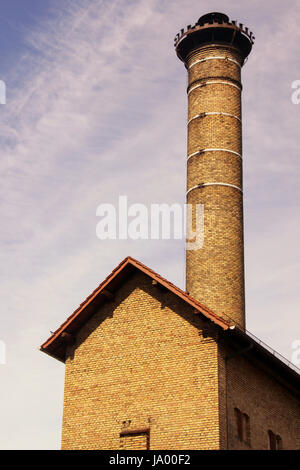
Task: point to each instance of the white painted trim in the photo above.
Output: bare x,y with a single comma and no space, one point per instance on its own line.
193,154
211,58
214,82
199,186
214,150
213,113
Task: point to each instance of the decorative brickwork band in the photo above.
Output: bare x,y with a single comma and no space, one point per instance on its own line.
213,58
202,115
200,152
202,185
214,82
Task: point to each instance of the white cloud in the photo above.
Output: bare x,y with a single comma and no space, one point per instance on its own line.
98,109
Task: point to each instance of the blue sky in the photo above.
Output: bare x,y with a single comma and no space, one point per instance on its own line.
17,18
96,108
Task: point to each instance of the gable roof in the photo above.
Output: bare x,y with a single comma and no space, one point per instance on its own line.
56,345
242,341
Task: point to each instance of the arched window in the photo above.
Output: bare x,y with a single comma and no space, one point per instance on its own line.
278,442
246,426
243,426
239,423
275,441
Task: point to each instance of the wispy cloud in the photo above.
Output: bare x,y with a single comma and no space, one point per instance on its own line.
96,109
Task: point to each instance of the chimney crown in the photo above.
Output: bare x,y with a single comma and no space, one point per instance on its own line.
214,28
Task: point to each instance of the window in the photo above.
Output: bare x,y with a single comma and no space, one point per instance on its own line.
275,441
135,439
278,442
243,426
239,423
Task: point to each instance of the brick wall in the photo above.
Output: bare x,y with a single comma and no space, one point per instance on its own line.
255,392
146,371
215,273
142,362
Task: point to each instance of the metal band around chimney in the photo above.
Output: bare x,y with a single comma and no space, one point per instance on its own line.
202,185
202,115
211,58
214,82
199,152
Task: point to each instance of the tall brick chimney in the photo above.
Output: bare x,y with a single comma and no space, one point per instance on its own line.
213,51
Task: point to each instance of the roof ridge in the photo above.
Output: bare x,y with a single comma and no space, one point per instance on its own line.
186,294
150,272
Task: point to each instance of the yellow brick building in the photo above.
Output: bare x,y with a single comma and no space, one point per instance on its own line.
149,366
